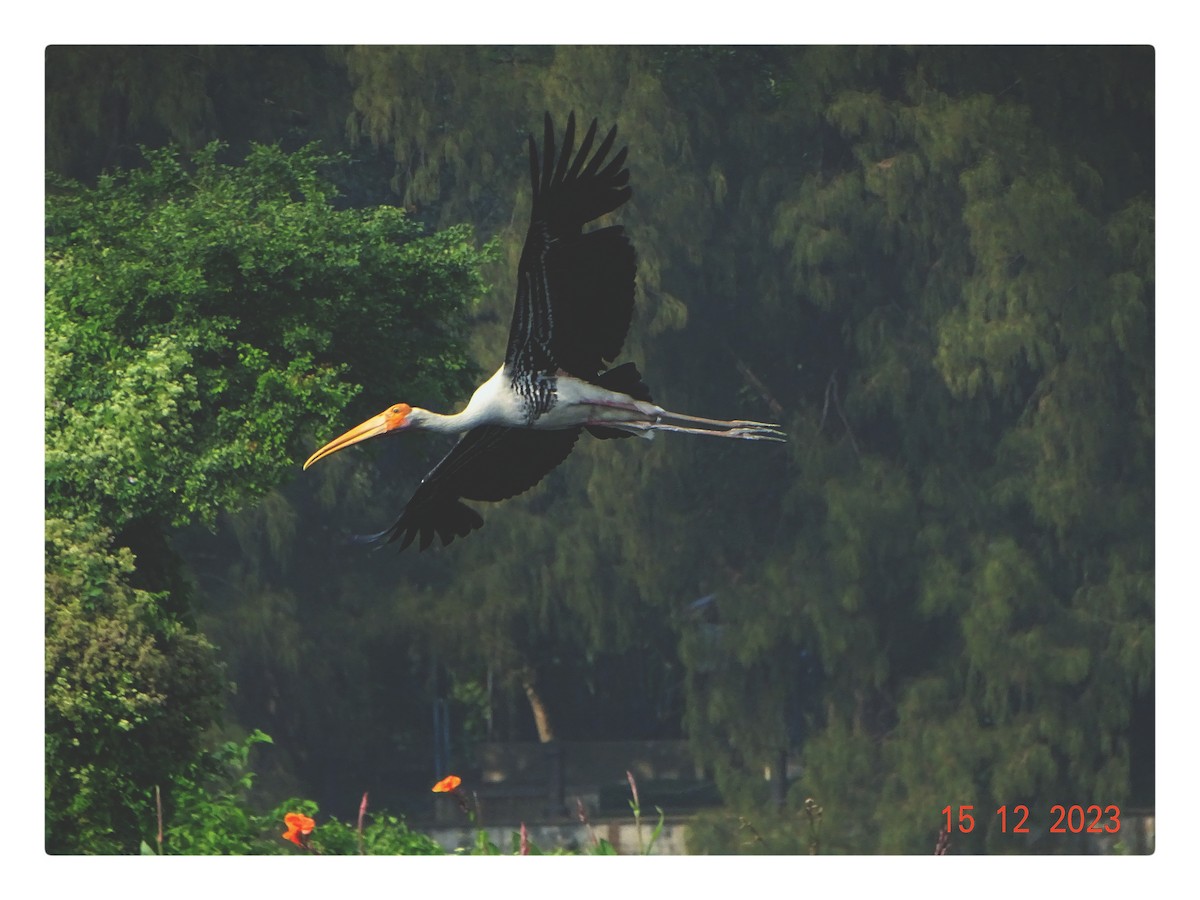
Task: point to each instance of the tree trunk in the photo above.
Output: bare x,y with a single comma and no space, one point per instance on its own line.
541,718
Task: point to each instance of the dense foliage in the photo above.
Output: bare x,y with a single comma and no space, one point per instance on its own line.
201,321
934,266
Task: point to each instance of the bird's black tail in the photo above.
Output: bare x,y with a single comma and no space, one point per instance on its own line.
625,379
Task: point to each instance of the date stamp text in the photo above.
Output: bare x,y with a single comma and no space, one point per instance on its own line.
1062,819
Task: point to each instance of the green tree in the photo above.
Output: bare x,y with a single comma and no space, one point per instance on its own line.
129,692
203,321
971,492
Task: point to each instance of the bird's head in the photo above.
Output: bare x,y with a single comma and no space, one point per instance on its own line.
394,418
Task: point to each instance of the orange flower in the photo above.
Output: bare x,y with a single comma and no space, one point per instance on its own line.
447,785
297,825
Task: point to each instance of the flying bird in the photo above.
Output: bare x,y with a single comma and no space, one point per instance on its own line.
575,293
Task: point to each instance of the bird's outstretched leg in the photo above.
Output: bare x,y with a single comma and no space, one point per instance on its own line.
738,429
649,418
722,423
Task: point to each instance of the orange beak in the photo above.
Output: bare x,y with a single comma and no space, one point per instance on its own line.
387,421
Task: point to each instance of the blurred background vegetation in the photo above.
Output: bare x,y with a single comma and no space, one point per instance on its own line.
933,266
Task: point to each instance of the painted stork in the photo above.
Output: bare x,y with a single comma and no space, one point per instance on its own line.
574,302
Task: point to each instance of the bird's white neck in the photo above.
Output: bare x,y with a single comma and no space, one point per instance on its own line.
425,420
493,403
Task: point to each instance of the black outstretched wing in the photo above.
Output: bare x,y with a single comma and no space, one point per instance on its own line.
574,290
488,463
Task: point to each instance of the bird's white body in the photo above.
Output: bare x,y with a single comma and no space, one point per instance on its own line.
576,403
